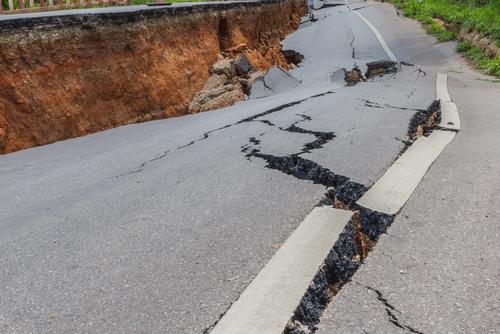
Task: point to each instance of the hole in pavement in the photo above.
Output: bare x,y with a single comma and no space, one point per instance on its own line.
374,68
380,67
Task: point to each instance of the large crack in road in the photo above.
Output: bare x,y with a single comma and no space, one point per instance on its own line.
359,236
391,311
207,134
352,77
337,188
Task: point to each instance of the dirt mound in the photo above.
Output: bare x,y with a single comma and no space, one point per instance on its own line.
63,77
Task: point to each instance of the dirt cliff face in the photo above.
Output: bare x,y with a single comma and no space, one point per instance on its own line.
62,77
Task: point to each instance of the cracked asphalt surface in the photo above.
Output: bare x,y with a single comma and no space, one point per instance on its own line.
158,227
436,270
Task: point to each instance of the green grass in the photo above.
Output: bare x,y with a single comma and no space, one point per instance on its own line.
480,59
440,32
480,16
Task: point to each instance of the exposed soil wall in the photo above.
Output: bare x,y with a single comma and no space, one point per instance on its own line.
67,76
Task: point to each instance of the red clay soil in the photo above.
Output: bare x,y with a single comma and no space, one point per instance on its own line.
60,80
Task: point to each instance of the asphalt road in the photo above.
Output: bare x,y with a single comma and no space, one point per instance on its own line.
158,227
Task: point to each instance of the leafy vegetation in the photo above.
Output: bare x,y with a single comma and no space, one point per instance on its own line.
5,4
492,66
480,16
440,32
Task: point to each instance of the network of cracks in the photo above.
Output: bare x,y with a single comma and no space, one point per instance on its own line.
359,235
362,232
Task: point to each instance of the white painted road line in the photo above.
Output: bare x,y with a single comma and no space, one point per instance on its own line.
449,113
269,301
394,188
380,39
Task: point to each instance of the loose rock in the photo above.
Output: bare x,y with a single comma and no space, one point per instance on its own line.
293,57
243,65
224,67
230,81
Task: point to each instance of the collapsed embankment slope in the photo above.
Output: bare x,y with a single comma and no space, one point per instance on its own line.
67,76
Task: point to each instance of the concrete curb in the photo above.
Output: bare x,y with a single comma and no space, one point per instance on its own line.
449,114
394,188
270,300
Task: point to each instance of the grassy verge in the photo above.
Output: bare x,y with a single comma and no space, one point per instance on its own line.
479,16
492,66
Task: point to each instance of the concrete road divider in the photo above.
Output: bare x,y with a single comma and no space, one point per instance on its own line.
272,297
449,113
394,188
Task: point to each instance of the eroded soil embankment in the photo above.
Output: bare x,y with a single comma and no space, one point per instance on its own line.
62,77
